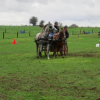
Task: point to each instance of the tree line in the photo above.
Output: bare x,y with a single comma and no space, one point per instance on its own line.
33,20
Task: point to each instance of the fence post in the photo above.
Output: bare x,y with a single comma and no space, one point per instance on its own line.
5,30
80,31
92,30
29,33
78,34
17,34
72,32
3,35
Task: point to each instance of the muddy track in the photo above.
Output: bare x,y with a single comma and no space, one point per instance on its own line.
84,55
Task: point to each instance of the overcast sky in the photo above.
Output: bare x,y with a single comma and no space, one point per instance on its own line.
80,12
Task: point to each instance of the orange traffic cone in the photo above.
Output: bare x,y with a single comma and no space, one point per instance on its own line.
14,42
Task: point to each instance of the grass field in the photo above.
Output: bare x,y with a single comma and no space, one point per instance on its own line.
24,77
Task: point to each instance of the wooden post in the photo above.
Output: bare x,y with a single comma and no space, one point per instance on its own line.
78,34
5,30
29,33
92,30
80,31
72,32
17,34
3,35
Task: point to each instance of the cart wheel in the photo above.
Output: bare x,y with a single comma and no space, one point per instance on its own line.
66,50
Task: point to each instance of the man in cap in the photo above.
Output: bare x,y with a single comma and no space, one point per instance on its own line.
56,26
66,31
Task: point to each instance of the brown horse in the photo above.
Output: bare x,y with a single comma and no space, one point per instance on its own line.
60,44
65,50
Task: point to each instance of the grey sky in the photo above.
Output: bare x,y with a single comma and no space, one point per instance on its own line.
80,12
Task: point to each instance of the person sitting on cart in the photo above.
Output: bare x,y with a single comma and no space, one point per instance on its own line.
52,34
56,26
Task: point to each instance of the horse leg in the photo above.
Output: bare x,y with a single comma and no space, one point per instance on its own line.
54,53
40,50
37,50
57,53
48,51
45,51
62,51
55,50
65,48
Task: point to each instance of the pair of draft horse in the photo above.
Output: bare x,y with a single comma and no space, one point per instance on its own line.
57,43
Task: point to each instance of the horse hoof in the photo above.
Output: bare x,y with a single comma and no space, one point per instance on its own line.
48,58
37,57
62,57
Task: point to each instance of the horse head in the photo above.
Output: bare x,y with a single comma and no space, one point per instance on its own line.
48,28
52,29
62,35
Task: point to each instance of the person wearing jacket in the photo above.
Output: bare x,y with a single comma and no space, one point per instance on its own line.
66,31
51,35
56,26
67,36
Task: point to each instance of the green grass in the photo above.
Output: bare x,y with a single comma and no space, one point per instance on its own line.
24,77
